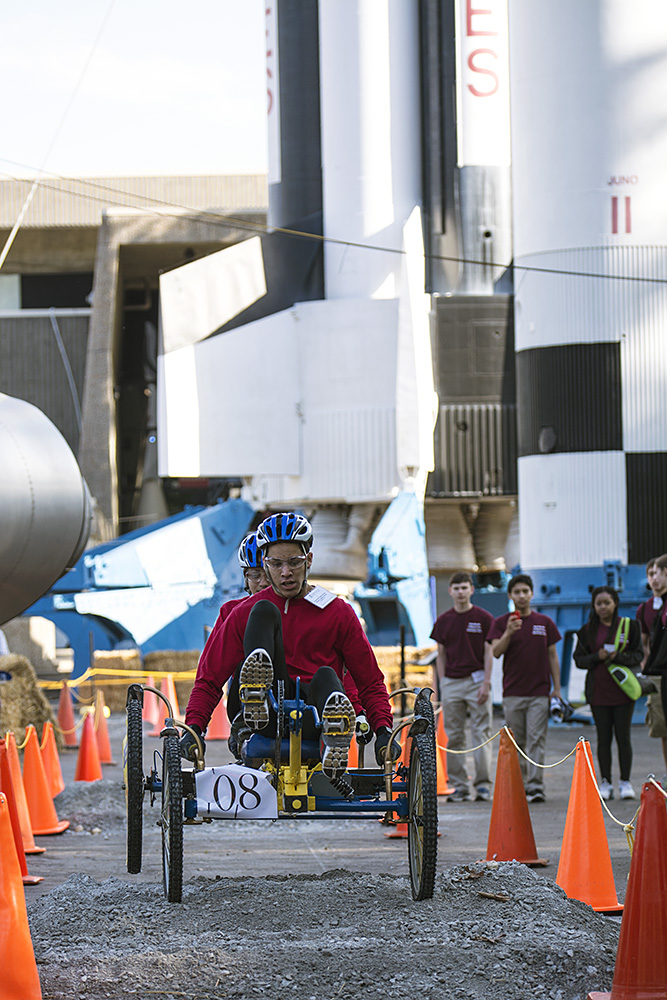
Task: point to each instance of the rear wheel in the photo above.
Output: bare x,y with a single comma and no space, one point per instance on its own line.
171,820
422,816
134,784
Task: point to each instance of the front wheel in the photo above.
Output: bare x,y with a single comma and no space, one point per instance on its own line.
171,820
134,784
422,816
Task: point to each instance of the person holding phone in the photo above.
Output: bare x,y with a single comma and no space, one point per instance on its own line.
527,641
605,640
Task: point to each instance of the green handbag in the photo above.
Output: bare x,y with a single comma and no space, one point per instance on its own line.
624,676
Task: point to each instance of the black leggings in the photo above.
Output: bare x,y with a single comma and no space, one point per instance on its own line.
614,719
264,631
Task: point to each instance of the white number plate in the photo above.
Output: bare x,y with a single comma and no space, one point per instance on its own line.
233,791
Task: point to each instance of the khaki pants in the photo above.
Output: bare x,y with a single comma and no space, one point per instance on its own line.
528,718
459,698
655,717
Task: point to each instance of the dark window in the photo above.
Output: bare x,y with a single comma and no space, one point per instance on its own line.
58,291
646,488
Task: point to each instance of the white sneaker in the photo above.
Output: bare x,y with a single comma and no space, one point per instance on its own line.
606,790
625,790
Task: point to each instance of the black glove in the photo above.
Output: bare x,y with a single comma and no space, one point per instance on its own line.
362,730
188,744
381,743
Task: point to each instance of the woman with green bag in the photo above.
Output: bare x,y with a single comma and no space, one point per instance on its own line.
610,649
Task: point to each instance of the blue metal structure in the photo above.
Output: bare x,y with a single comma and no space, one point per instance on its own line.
397,591
156,588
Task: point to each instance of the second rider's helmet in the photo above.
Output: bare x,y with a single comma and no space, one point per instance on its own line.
249,555
285,528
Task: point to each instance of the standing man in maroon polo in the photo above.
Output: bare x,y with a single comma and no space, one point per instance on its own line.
527,641
463,666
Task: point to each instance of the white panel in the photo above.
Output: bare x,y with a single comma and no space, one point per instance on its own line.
10,291
309,395
178,414
572,509
588,126
228,406
370,127
416,399
349,354
644,357
570,296
350,454
198,298
248,382
482,83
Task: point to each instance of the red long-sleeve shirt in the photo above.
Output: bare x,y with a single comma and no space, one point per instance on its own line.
313,637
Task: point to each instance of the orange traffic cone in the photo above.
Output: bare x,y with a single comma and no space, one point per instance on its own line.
43,817
151,710
641,959
353,754
102,731
400,830
19,969
29,845
88,767
66,722
584,869
7,787
511,835
51,760
441,742
218,727
168,689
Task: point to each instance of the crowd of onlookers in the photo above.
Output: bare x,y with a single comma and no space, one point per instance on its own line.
623,658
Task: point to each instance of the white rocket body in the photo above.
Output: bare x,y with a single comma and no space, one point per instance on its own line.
589,144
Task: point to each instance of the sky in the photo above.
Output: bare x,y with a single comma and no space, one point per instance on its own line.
125,87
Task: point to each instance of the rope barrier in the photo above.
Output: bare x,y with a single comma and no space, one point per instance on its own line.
68,732
115,676
628,828
529,759
651,780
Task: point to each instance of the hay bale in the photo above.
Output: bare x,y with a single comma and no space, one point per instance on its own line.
173,661
21,700
113,688
389,661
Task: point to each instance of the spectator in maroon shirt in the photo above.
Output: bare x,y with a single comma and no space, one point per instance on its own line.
527,641
655,665
463,666
612,709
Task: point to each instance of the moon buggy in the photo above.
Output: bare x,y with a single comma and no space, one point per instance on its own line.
280,778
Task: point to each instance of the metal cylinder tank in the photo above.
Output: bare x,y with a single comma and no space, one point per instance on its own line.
45,507
589,143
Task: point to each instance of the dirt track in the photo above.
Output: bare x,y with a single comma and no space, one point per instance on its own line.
317,909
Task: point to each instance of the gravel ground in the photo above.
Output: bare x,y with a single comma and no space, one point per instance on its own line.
491,932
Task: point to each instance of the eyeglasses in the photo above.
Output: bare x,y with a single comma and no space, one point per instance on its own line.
253,574
296,562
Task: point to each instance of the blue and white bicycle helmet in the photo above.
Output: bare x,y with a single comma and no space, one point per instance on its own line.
285,528
249,555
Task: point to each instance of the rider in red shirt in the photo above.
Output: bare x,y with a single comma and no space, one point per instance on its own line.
293,629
